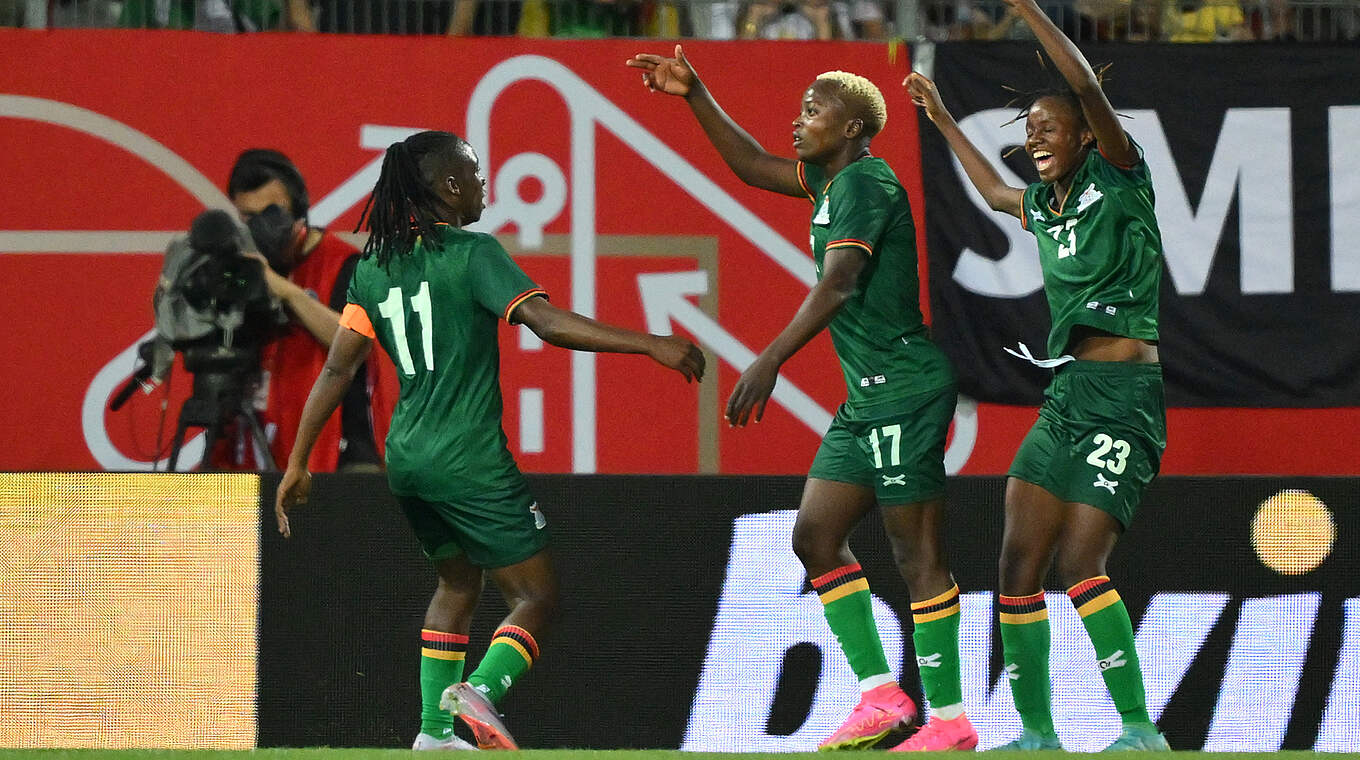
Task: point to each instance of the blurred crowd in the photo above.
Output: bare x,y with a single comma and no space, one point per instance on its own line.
939,20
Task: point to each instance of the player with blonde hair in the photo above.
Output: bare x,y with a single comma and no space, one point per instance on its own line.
886,443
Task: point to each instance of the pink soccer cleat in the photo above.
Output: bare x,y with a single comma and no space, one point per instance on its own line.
939,735
476,710
880,710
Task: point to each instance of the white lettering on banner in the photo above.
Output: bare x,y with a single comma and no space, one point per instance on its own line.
762,613
1251,161
1262,675
1342,716
1343,124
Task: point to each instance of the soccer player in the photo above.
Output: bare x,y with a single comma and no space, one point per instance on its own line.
1078,476
886,443
432,293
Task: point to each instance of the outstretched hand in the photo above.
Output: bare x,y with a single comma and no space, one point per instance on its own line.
673,76
294,489
678,354
924,94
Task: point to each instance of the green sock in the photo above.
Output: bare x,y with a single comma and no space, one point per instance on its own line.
1025,643
849,612
512,651
441,666
1107,623
936,636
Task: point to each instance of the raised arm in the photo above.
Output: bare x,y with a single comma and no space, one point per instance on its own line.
567,329
999,195
748,160
1100,115
349,349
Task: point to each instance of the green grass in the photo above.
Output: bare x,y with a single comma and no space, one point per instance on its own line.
315,753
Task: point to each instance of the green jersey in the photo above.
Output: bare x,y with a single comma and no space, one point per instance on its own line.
879,334
1100,250
435,311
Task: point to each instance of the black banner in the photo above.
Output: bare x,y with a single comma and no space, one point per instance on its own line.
686,620
1257,179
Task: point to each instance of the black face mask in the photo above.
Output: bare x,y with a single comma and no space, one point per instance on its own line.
272,231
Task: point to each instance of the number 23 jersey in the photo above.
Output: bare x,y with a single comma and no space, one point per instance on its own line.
1100,250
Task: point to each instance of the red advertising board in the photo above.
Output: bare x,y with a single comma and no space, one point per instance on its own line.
607,195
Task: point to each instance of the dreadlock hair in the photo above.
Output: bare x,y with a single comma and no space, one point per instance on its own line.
404,207
1055,87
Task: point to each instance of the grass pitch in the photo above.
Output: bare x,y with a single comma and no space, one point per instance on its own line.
318,753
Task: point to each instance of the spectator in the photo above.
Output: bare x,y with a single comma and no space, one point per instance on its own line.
213,15
797,20
1207,21
304,263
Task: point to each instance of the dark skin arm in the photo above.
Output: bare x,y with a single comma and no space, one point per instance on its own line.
748,160
567,329
841,268
1100,115
348,351
999,195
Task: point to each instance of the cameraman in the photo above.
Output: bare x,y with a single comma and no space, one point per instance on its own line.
304,264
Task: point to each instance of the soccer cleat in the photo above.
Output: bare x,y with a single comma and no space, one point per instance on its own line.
880,711
1140,737
476,710
1031,740
426,741
939,735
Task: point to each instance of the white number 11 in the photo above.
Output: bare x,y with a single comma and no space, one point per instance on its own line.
391,310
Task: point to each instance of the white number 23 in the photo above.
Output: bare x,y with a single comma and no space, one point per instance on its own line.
1104,445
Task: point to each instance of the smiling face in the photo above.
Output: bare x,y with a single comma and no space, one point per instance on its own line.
819,132
1056,138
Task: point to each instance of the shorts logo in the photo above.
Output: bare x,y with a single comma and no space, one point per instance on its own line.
1101,482
930,661
1013,671
540,520
895,480
865,382
1115,660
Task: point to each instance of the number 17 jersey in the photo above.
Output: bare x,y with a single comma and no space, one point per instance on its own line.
435,311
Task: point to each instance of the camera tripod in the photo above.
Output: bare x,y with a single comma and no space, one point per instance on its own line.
219,398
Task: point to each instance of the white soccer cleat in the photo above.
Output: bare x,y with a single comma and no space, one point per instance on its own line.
426,741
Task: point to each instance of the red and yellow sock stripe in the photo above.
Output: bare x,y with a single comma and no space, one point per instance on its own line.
840,583
1018,610
936,607
1093,595
517,639
443,646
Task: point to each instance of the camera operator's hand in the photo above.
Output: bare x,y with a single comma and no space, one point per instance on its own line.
314,316
294,489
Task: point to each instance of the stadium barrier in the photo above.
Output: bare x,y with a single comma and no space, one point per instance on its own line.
129,609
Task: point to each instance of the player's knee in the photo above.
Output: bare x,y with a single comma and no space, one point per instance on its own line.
1020,571
815,549
1075,567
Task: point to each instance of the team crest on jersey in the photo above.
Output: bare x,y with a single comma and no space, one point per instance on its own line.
824,213
1088,196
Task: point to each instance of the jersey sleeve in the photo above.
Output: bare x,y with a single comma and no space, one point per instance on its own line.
1135,174
858,207
811,178
497,282
1027,202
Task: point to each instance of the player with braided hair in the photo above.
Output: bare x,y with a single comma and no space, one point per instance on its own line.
886,444
433,293
1079,474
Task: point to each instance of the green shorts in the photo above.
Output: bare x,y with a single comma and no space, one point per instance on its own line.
491,529
895,447
1100,436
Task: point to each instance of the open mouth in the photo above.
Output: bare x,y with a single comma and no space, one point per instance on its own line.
1042,159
